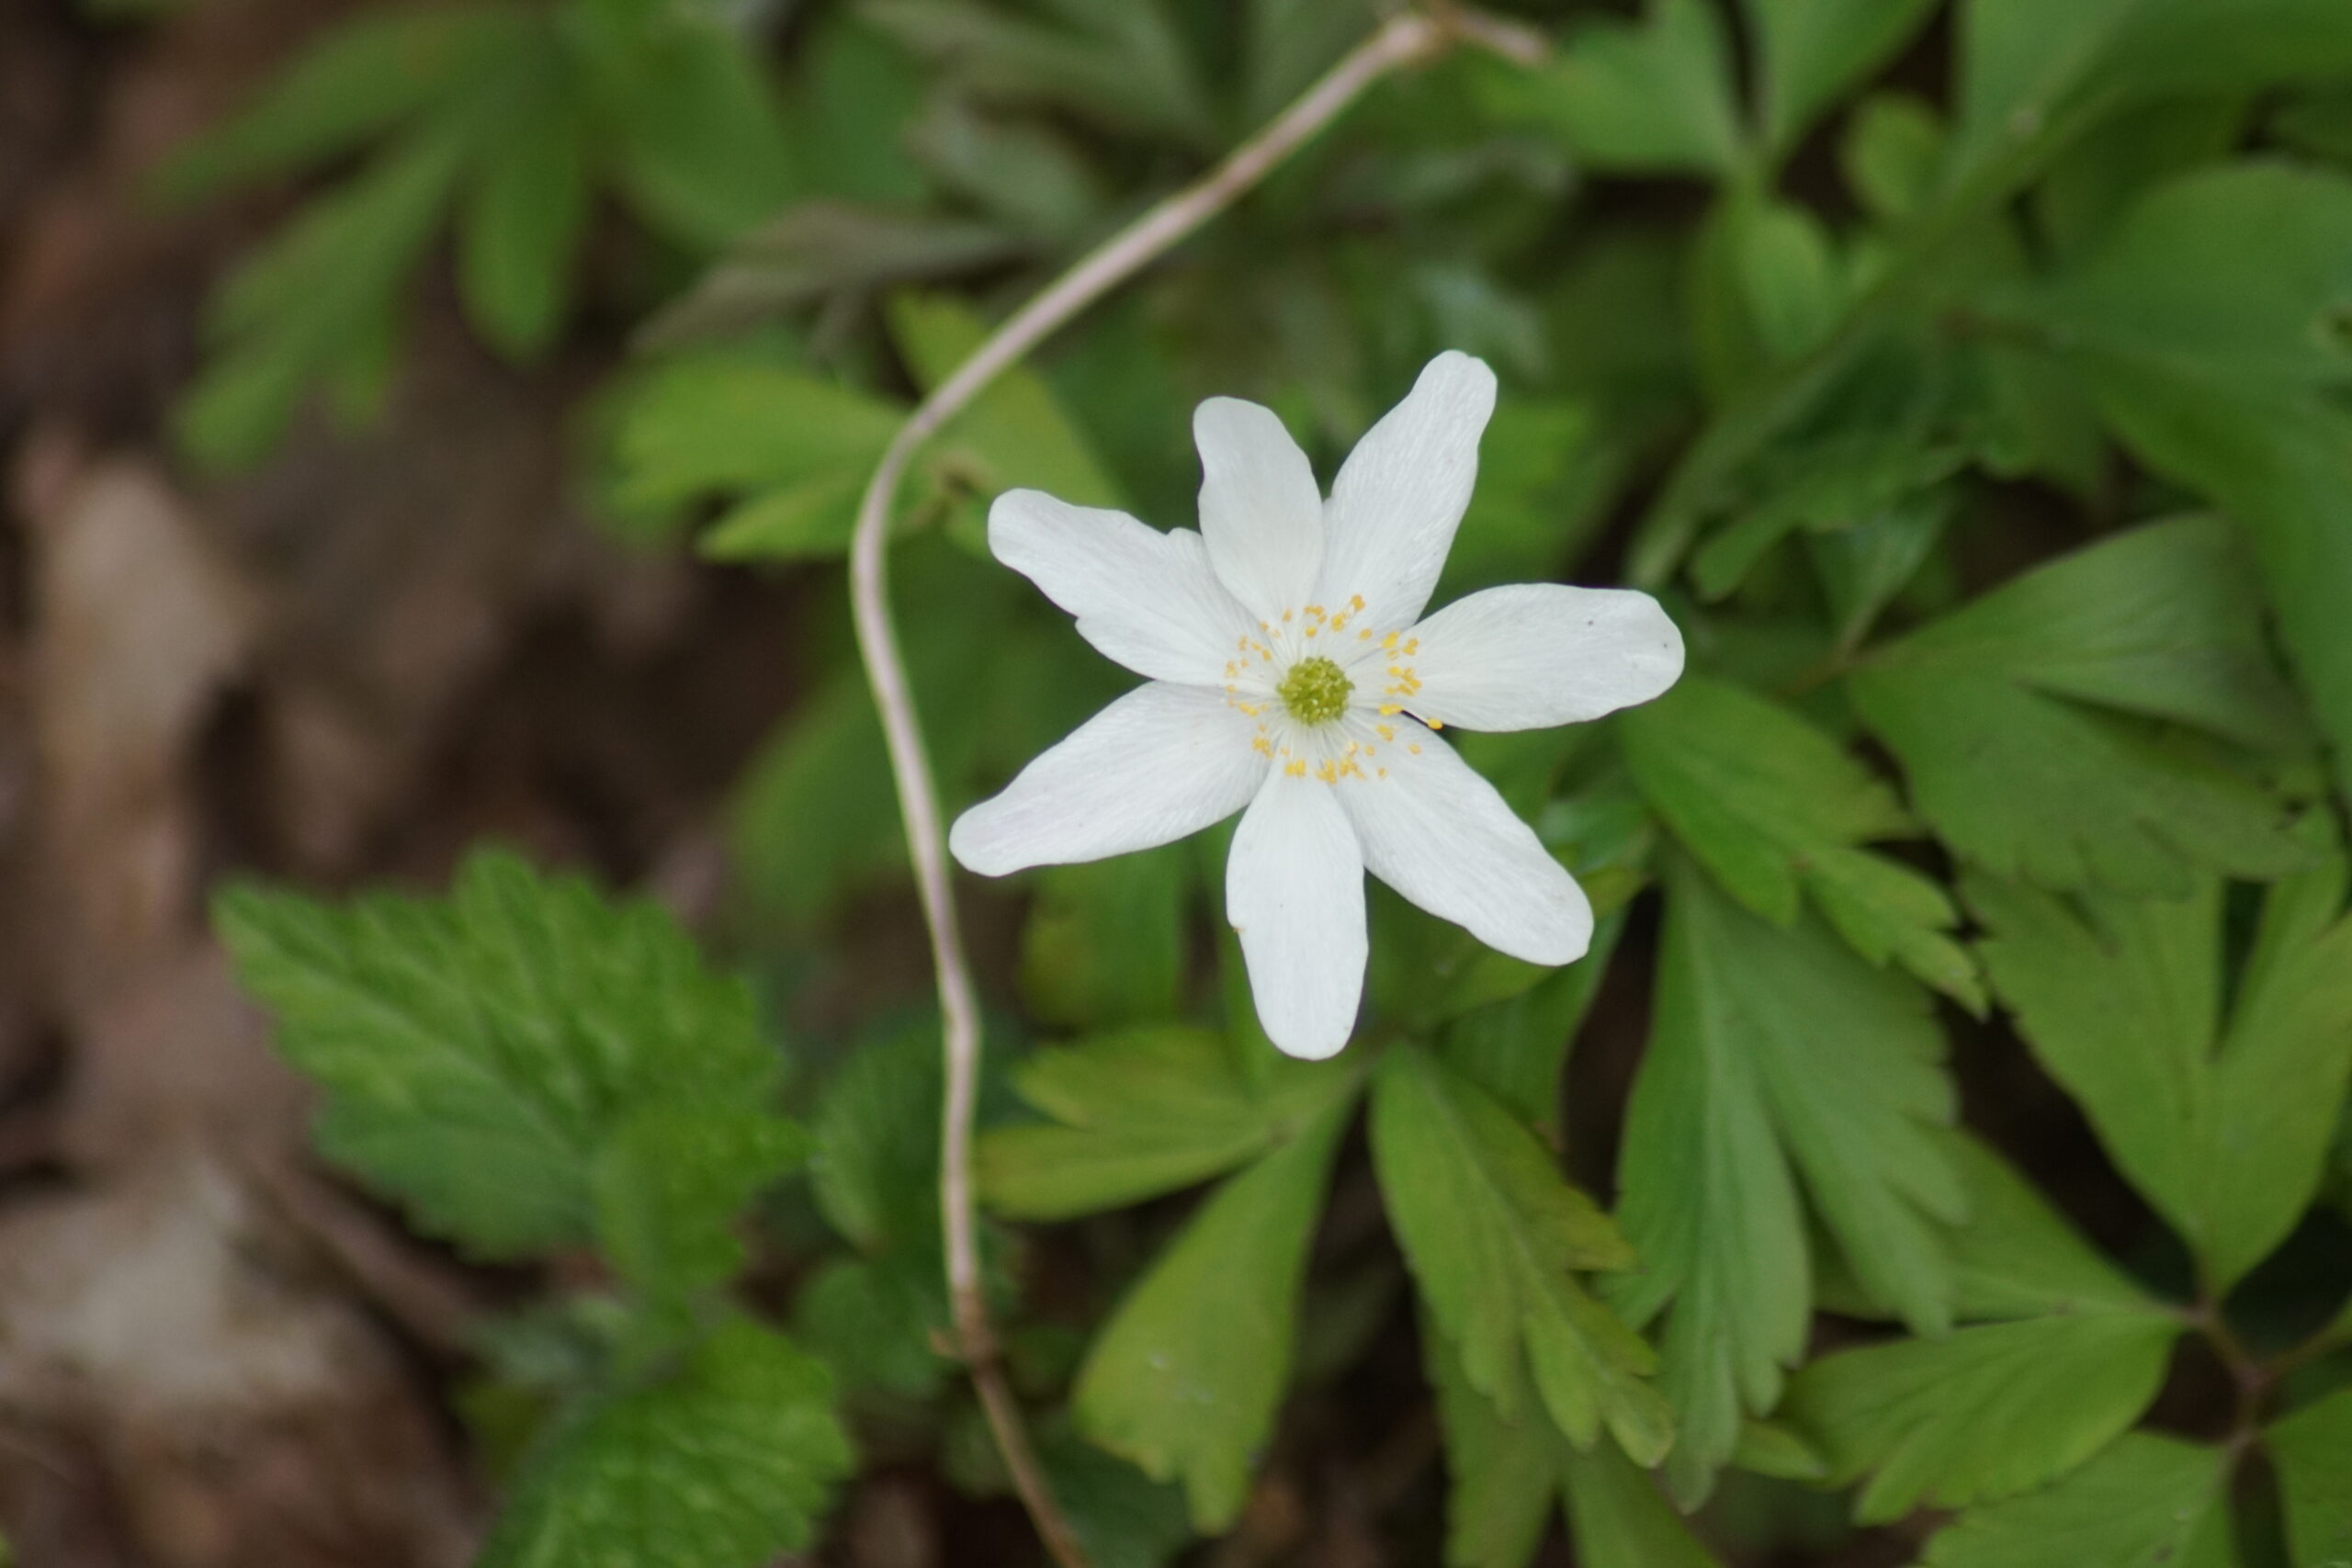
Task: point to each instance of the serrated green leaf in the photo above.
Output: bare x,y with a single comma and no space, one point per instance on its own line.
670,1183
1810,50
1777,811
876,1322
2207,323
1983,1414
1145,1111
1774,1053
1186,1376
481,1054
2220,1117
2147,1502
2004,715
725,1466
874,1158
1649,98
522,213
1491,1232
2313,1449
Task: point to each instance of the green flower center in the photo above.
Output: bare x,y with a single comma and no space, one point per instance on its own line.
1316,690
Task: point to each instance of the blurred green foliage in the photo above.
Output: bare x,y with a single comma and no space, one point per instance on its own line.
1969,379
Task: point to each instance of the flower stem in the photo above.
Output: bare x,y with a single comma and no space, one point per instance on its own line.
1409,37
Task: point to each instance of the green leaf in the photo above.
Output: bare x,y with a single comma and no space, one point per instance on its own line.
1120,62
484,1056
2221,1116
725,1466
523,213
1505,1475
1650,98
876,1323
365,77
1502,1475
671,1182
1889,153
1142,1113
1186,1376
1776,811
1104,942
2017,1258
2032,74
695,135
875,1142
1788,275
1516,1048
2007,716
2313,1449
1015,430
2207,323
1983,1414
1775,1053
1811,50
315,300
1491,1232
719,423
1618,1519
2147,1502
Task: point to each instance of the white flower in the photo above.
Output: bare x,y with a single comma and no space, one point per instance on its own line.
1290,672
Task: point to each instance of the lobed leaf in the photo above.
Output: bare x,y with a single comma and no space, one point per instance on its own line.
2007,716
1186,1376
1491,1233
1776,810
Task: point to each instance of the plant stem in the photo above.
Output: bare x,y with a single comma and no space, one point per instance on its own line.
1407,39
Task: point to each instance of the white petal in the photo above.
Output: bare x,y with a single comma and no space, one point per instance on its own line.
1261,510
1294,888
1145,598
1537,654
1162,762
1438,833
1402,492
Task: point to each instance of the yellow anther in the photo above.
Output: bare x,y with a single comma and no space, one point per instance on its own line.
1416,750
1383,772
1295,771
1391,709
1414,646
1437,724
1388,731
1262,745
1355,600
1365,636
1325,771
1388,641
1312,630
1286,617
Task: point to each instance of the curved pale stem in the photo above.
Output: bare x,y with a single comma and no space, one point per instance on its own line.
1402,40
